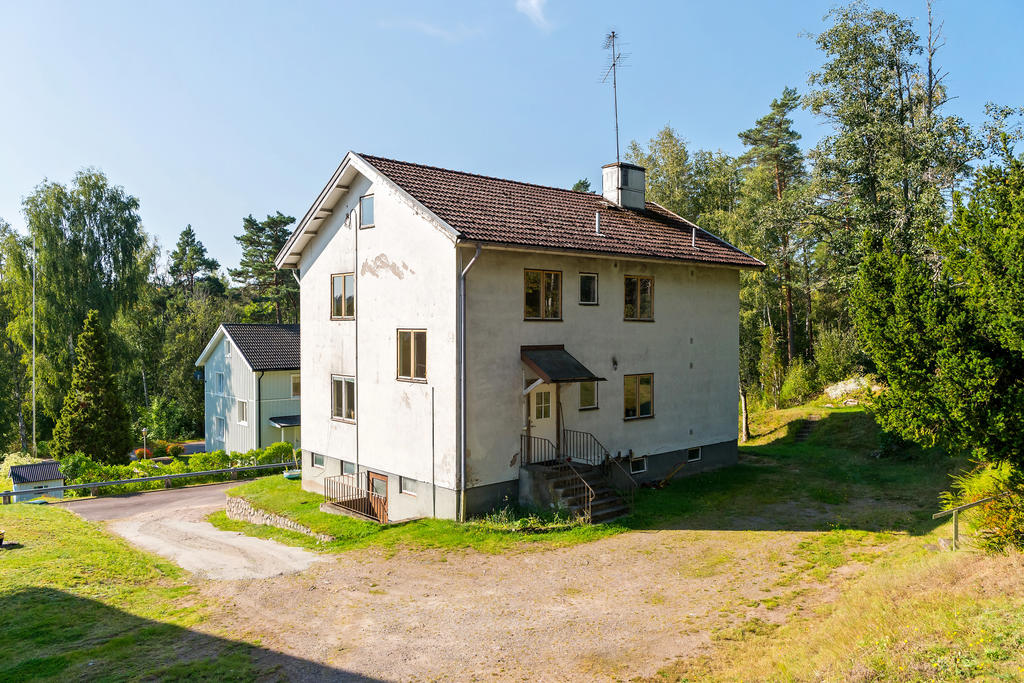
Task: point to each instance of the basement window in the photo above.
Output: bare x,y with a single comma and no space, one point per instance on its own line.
348,467
405,485
588,289
542,295
638,465
317,459
343,398
693,454
639,300
366,211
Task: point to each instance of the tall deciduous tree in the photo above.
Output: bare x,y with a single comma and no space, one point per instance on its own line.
262,281
93,419
92,255
190,262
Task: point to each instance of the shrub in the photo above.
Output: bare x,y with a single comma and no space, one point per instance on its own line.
999,524
800,383
277,452
175,450
770,368
166,418
17,458
143,453
837,355
217,460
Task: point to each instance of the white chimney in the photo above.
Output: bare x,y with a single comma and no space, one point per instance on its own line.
623,184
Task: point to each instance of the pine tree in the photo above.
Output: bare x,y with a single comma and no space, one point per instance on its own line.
260,242
93,419
189,261
773,146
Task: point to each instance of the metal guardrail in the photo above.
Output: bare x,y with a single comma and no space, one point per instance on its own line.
958,509
6,495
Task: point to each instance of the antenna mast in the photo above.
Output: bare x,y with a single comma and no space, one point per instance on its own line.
34,269
609,44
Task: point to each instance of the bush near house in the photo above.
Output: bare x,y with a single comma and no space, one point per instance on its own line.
81,469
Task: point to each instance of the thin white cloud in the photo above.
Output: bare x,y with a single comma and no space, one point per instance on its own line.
534,10
451,34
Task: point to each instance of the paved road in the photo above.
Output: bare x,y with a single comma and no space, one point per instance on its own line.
173,524
129,505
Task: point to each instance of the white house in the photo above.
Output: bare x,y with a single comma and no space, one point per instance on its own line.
470,340
35,477
253,387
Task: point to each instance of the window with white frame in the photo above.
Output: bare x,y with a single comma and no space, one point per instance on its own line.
638,465
343,398
227,349
412,355
317,459
243,412
588,289
542,405
343,296
366,211
296,385
405,485
693,454
221,385
219,427
588,395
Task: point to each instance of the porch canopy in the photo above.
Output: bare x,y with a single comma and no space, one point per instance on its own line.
286,421
554,365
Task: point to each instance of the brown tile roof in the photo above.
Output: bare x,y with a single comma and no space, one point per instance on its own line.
485,209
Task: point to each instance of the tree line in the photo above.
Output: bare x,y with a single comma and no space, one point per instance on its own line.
119,321
832,222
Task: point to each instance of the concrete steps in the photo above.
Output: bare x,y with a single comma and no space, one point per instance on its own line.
606,506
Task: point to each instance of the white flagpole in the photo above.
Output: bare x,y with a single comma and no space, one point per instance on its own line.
35,453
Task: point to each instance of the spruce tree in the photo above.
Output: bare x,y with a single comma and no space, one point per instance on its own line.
93,419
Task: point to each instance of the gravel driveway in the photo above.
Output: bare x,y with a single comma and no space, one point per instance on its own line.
173,524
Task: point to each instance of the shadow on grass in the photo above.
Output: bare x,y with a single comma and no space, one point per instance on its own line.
48,634
832,479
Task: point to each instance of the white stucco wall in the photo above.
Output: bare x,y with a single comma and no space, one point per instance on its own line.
696,312
404,272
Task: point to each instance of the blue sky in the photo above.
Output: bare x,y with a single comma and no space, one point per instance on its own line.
209,111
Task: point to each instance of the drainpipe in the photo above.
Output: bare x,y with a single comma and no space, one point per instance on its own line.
462,385
259,409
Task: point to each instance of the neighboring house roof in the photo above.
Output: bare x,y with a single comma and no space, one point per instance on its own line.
286,421
485,210
48,470
264,347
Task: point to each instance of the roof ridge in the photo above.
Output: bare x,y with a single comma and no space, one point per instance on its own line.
479,175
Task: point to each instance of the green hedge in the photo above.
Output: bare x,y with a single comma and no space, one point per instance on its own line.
80,469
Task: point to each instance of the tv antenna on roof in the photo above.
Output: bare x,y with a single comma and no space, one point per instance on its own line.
616,59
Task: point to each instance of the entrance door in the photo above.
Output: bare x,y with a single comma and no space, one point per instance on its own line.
379,499
544,413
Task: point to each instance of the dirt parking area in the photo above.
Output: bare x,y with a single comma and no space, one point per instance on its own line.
173,524
614,609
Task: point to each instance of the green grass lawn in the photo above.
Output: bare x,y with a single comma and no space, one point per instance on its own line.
76,603
830,481
492,534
